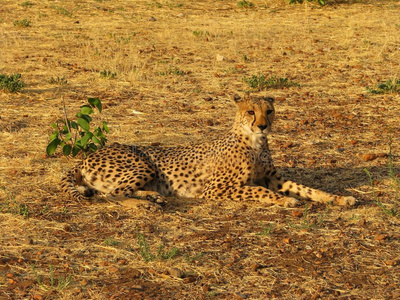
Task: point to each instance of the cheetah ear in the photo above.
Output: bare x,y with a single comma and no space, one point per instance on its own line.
269,99
237,98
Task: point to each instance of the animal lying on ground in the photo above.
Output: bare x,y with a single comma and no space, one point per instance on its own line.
236,167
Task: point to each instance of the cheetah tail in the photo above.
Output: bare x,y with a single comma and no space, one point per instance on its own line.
69,183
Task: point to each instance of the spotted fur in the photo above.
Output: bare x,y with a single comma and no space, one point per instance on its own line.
236,167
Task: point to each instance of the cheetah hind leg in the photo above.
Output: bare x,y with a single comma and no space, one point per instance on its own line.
245,193
73,186
148,200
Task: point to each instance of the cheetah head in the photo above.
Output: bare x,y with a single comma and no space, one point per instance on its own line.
255,114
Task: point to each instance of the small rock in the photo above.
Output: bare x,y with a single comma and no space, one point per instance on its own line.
113,269
219,58
304,122
353,142
391,263
189,279
175,272
287,145
152,19
368,156
255,267
296,213
205,288
83,282
380,237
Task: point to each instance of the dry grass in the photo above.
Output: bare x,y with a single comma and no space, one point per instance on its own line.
52,248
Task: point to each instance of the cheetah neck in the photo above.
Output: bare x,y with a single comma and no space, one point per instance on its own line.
256,141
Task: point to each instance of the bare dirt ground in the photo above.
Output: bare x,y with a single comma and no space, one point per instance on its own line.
179,62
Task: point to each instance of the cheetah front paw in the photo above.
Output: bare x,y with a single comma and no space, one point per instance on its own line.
157,199
346,200
143,205
290,202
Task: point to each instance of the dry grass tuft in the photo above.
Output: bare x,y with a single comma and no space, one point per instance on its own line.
178,62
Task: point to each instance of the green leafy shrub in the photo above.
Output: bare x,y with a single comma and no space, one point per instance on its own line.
390,86
11,83
261,82
75,136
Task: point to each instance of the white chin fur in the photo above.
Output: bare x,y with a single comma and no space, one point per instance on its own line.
257,139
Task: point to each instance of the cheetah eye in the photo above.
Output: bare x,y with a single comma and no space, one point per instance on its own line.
250,112
269,111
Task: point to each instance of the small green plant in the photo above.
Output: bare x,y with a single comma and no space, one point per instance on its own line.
26,4
161,254
108,74
320,2
199,33
44,209
11,206
74,136
22,23
11,83
144,248
262,83
16,208
58,80
322,215
395,182
306,222
267,229
392,175
157,4
23,210
62,11
389,86
191,259
245,4
111,242
393,212
173,252
172,71
52,283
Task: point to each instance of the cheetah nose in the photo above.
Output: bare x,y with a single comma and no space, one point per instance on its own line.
262,127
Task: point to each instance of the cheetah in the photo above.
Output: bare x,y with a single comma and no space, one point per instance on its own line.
236,167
